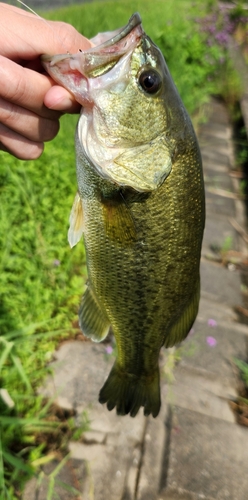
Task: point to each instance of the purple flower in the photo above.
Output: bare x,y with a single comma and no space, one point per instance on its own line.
212,322
211,341
109,349
211,29
56,262
222,38
230,27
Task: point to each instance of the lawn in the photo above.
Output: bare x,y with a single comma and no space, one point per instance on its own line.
41,278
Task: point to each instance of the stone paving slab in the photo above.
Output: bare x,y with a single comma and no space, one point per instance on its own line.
215,132
216,158
107,467
223,314
74,473
212,129
220,168
79,372
223,145
172,494
218,230
111,449
101,420
207,457
217,114
193,450
75,380
218,180
215,361
197,391
219,204
155,455
219,140
219,281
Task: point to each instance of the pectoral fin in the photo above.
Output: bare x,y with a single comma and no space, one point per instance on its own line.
92,319
181,329
76,222
119,222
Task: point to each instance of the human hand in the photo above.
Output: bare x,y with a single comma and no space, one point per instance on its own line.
30,102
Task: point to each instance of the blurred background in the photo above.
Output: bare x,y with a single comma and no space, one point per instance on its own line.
41,278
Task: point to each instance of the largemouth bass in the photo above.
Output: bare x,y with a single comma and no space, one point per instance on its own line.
140,207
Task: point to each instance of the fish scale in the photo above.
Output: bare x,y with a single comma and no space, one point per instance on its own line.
140,206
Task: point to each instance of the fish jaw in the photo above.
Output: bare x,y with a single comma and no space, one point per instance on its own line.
79,73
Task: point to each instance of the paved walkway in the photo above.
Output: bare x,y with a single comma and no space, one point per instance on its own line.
194,449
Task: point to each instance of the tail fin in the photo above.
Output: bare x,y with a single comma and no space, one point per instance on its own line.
128,393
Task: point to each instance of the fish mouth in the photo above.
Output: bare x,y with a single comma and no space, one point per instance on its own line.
118,35
104,57
94,62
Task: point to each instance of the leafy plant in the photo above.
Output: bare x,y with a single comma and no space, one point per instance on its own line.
240,405
41,279
22,413
243,367
53,480
216,28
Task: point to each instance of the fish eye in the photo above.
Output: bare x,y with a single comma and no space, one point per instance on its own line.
150,81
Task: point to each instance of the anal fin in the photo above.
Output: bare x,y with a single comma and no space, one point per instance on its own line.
92,319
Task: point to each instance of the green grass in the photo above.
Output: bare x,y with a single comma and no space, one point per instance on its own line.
38,271
41,278
243,367
41,281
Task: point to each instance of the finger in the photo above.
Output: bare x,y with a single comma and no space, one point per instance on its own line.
19,146
26,123
30,37
26,88
61,100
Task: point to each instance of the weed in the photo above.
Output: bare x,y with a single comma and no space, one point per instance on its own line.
41,279
243,367
217,27
240,405
227,245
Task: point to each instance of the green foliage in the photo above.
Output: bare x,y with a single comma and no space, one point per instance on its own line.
216,28
41,279
227,244
229,85
238,10
38,269
243,367
22,413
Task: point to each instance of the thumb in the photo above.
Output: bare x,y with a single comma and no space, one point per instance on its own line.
60,99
